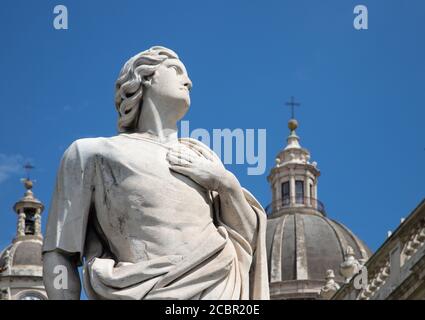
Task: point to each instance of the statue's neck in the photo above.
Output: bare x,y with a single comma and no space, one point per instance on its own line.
160,124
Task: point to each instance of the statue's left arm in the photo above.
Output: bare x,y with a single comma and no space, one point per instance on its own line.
235,210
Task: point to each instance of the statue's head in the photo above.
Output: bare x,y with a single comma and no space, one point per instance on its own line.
158,74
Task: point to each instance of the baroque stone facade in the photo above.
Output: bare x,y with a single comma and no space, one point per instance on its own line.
397,269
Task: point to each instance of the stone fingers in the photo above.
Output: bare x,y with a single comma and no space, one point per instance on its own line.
183,170
178,160
203,150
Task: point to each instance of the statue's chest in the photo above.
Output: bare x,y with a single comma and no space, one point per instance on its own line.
137,190
141,176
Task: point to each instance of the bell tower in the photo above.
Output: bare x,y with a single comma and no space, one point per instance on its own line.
29,211
21,268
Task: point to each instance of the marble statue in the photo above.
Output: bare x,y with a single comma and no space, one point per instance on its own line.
350,266
149,215
330,287
4,294
6,261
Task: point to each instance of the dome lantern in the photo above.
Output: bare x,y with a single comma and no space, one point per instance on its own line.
294,178
29,210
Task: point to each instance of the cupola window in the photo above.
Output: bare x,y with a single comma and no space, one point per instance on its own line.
285,193
299,191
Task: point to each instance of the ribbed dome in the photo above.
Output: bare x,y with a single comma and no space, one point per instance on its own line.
27,253
22,254
302,246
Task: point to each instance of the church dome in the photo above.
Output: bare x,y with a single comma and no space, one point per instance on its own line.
303,244
22,256
301,247
21,267
27,253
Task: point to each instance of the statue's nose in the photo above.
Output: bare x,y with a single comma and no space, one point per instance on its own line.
188,84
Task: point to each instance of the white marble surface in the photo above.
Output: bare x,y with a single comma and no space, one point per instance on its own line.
153,216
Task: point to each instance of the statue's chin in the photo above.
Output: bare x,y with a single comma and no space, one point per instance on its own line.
183,106
186,101
182,111
177,105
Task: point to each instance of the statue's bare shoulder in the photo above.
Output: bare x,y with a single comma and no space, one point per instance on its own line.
88,148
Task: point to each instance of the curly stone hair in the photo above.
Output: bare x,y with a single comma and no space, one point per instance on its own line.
130,84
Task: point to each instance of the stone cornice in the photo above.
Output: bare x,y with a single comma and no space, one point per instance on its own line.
409,234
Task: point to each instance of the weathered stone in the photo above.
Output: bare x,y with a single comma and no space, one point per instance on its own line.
174,222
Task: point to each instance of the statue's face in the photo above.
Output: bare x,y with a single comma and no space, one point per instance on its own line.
170,86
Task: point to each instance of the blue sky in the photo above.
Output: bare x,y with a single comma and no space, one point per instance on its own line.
362,92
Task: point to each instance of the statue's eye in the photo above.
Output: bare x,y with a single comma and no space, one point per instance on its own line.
178,70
